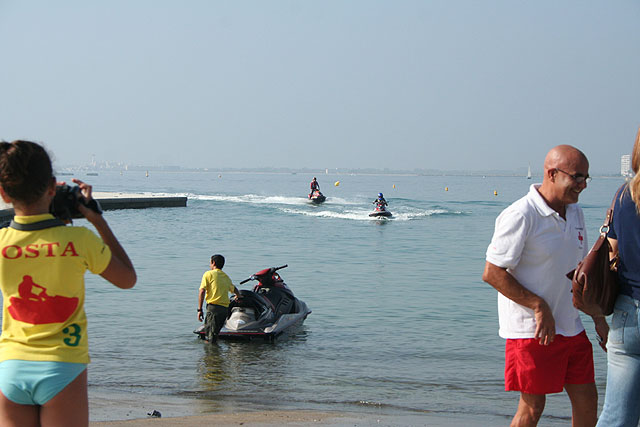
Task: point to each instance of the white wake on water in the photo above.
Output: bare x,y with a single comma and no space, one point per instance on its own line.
363,215
334,207
353,215
262,200
252,199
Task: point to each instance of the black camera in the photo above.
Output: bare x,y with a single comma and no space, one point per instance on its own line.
65,203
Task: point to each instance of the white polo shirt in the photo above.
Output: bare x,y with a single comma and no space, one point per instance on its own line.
538,247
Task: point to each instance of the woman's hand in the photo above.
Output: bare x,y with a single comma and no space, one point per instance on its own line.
86,190
602,331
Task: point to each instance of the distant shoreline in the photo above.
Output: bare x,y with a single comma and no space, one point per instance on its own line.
83,171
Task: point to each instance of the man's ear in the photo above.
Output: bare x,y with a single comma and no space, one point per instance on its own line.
551,173
4,195
52,186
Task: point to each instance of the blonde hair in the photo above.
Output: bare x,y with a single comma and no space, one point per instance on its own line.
634,184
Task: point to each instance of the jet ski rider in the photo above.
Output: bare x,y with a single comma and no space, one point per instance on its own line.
380,202
314,186
216,285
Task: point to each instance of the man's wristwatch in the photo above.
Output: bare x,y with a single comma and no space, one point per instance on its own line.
199,310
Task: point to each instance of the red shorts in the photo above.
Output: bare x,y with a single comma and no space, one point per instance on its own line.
541,369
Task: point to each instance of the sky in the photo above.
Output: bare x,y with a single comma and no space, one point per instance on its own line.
398,84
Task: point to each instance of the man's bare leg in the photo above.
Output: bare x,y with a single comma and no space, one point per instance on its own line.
529,411
584,404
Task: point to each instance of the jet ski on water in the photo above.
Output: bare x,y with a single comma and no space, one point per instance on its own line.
380,211
381,207
266,312
317,197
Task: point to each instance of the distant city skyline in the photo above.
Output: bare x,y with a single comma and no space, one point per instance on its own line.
96,165
625,165
404,85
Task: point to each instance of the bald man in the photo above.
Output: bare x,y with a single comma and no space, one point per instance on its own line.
536,242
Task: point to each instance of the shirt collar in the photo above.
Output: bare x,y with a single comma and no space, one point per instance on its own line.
541,205
30,219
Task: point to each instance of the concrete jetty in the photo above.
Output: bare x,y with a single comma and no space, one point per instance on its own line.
113,200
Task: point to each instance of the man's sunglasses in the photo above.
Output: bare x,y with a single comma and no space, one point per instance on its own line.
578,178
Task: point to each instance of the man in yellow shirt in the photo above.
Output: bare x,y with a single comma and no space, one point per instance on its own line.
216,286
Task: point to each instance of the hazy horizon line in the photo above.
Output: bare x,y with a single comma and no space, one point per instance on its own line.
522,171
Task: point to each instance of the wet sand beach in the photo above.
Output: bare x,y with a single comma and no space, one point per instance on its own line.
306,418
261,418
131,409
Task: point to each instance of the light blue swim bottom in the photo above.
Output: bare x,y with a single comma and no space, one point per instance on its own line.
28,382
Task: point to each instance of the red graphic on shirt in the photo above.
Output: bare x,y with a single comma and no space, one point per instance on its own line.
36,307
580,237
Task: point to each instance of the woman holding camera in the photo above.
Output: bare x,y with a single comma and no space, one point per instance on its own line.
44,348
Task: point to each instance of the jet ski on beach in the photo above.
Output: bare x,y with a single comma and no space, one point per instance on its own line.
266,312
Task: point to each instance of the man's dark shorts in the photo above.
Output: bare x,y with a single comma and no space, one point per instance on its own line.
214,320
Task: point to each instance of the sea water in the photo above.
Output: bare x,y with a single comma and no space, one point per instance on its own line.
402,322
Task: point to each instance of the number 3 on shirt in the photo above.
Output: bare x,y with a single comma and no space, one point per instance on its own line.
73,331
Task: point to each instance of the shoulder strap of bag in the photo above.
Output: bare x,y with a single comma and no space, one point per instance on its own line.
40,225
607,220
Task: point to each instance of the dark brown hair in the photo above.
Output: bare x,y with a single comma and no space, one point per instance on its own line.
218,260
25,170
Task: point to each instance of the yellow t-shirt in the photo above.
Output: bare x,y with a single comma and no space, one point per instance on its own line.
42,282
218,285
